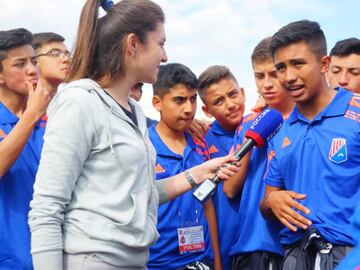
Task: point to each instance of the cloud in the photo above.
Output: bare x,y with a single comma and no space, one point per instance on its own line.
201,33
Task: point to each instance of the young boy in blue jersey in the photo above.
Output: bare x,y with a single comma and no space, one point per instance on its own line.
257,244
345,65
223,99
185,241
313,175
22,105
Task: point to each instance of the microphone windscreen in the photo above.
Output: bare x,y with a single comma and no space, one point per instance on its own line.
264,126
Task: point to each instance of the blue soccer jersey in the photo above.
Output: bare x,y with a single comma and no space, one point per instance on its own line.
321,158
254,232
352,260
184,211
220,142
16,190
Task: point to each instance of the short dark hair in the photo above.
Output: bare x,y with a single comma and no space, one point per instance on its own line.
346,47
46,37
304,30
11,39
262,51
211,75
172,74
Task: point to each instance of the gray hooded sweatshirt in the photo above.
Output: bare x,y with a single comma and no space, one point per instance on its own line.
95,190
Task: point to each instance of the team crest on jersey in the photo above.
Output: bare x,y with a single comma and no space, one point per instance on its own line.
338,151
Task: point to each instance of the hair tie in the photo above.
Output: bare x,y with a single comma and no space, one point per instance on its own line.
107,4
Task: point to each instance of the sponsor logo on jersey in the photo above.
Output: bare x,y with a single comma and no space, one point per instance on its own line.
159,168
286,142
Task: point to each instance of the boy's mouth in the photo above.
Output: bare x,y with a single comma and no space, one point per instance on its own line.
296,90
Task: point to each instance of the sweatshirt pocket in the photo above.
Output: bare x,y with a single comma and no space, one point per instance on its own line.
138,232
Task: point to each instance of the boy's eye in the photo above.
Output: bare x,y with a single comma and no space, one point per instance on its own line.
193,99
19,64
179,100
259,76
218,102
273,74
234,94
280,67
355,72
298,63
335,70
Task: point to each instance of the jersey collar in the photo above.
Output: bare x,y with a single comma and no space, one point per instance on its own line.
7,117
219,130
338,106
163,150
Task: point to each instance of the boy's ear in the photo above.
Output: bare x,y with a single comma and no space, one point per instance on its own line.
156,102
206,111
1,79
325,64
242,91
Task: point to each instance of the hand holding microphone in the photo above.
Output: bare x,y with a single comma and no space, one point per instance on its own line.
263,129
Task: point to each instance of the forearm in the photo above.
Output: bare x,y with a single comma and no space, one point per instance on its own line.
266,210
13,144
48,260
210,215
234,185
176,185
172,187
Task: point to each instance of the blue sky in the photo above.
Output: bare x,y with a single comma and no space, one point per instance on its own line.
201,33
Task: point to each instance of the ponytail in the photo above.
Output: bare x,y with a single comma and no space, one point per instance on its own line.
99,49
85,47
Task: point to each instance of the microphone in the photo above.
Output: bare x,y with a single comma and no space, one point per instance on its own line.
263,129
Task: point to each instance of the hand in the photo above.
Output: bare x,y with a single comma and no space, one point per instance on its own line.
259,105
198,129
38,99
216,166
283,205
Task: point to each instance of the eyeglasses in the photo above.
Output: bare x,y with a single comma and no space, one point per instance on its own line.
56,53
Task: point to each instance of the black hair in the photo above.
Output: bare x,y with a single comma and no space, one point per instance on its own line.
346,47
11,39
211,75
46,37
301,31
172,74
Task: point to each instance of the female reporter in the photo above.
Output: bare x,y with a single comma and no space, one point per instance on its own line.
95,200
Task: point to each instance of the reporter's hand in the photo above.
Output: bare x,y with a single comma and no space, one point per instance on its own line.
209,168
198,129
38,99
284,205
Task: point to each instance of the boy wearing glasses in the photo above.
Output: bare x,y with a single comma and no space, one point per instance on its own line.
21,139
53,59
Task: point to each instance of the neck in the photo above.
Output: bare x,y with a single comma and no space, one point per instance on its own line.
315,105
175,140
229,128
285,107
13,102
50,85
120,91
